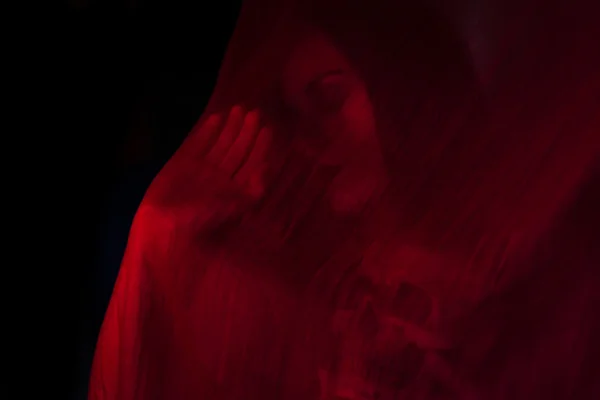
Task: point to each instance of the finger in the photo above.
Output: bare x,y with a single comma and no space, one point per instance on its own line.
289,178
309,194
259,152
199,140
227,136
257,158
252,174
241,147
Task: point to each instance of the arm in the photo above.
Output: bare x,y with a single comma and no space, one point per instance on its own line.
200,188
123,364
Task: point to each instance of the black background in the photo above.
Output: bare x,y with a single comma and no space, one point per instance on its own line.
111,88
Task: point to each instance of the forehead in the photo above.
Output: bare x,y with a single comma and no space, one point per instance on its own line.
314,55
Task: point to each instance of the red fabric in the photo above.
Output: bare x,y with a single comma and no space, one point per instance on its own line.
392,247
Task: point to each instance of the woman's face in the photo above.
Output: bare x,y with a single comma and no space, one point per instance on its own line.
337,117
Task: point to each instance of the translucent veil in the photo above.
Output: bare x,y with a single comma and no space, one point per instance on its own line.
468,166
430,106
476,178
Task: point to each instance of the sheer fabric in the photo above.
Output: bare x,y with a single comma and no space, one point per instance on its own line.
410,296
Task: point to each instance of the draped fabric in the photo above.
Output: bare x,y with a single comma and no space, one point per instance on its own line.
456,277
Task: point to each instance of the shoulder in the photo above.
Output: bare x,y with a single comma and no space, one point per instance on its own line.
152,231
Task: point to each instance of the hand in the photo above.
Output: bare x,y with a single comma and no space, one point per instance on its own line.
216,174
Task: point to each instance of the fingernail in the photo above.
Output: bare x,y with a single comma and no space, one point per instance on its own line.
236,110
214,118
253,115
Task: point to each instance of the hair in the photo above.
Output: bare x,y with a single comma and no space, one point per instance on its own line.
426,95
413,41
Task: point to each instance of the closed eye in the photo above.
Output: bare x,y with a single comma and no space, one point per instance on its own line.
328,91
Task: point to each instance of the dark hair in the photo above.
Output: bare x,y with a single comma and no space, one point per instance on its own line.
412,41
424,90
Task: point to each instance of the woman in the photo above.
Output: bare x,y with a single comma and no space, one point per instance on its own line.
333,237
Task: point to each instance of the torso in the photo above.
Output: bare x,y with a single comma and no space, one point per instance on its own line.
252,328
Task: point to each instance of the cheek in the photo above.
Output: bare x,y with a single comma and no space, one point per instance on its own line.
350,134
357,120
